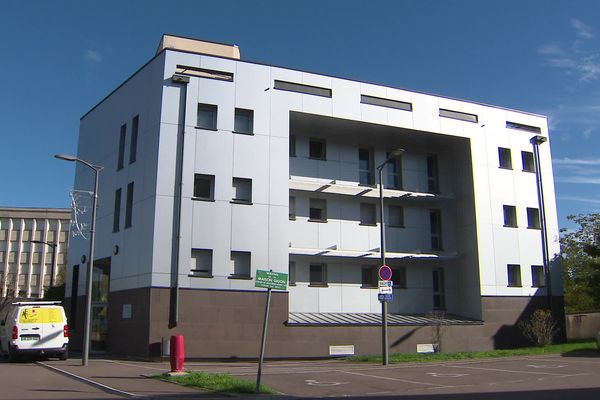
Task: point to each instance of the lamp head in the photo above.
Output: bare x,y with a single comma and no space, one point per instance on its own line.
65,157
538,139
396,152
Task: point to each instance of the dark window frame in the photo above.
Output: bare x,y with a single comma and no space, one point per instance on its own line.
504,158
214,110
533,218
117,211
323,149
388,103
535,282
210,179
133,141
458,115
317,202
510,216
129,205
323,281
528,161
513,275
121,153
245,113
368,214
302,88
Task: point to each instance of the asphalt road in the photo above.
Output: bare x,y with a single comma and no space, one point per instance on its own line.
572,377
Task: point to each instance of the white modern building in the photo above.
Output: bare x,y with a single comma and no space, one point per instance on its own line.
215,167
33,247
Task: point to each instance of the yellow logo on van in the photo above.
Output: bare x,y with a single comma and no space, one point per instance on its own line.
40,315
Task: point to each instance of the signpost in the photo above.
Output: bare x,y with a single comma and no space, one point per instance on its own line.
269,280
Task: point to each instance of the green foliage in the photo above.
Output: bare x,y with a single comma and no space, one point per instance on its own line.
525,351
581,263
221,383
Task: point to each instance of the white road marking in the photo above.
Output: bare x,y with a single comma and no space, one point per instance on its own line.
546,366
503,370
134,365
89,381
313,382
445,375
392,379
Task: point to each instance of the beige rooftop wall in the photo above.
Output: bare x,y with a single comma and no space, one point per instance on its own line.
198,46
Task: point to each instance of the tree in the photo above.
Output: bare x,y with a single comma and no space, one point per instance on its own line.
581,263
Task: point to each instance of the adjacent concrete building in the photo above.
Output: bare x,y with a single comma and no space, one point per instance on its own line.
33,248
215,167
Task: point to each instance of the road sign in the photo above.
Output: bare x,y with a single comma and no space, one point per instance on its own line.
385,273
271,280
387,297
385,287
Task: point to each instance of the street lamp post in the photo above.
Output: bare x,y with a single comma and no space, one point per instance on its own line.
384,325
88,292
53,245
536,141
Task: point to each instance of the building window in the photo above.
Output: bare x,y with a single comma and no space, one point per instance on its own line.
439,289
317,149
366,174
514,275
244,121
459,115
528,164
207,116
435,223
378,101
504,158
134,138
394,172
369,277
121,154
318,275
202,260
399,277
396,216
74,294
368,214
292,273
204,187
533,218
317,210
433,181
129,205
240,264
523,127
292,208
300,88
117,210
242,190
538,278
292,145
510,216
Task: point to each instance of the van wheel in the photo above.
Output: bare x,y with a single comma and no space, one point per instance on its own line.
64,355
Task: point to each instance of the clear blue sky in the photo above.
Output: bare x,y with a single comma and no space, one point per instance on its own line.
59,58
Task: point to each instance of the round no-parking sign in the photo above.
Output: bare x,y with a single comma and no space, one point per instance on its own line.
385,273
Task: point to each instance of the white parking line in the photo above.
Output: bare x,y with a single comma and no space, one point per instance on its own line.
90,382
503,370
393,379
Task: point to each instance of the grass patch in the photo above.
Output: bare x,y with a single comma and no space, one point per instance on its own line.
525,351
215,382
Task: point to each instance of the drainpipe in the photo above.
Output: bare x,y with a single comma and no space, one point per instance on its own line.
177,200
536,141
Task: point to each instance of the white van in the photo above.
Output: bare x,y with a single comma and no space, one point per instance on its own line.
36,327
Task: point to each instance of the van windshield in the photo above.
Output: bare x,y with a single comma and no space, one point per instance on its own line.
40,315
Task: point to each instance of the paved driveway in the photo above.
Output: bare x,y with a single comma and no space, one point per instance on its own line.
529,378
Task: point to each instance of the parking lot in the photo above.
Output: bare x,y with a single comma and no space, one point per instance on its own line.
575,377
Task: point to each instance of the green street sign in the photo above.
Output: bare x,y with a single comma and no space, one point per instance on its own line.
271,280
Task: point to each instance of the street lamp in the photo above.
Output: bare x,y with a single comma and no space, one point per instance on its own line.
53,245
384,334
536,141
88,292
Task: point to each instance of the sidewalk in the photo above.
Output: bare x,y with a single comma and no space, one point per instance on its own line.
127,380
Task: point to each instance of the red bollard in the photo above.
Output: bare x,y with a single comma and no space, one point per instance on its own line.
177,355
